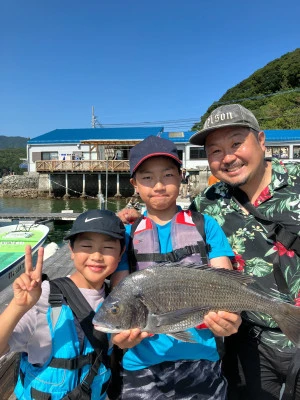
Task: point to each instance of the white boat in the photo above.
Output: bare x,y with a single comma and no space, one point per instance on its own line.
13,239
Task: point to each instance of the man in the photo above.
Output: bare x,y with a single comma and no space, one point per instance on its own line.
235,147
184,184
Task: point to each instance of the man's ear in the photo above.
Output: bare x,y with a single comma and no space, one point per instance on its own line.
261,137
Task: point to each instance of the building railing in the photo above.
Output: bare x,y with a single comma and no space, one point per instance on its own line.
82,165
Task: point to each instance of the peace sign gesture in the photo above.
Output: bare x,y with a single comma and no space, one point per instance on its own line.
27,287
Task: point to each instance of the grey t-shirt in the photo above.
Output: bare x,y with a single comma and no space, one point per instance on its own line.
32,333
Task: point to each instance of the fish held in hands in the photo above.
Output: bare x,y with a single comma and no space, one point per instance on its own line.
171,299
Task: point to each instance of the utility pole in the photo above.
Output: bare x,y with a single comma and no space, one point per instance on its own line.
95,122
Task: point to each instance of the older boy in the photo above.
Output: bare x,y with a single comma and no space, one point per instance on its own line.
57,356
161,367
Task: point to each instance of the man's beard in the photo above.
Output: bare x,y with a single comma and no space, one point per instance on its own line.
236,184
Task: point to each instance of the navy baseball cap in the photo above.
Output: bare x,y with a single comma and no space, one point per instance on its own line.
152,146
229,115
99,221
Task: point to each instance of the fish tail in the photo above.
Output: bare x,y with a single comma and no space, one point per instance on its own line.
288,320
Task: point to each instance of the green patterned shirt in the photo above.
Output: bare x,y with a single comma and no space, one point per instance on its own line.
254,252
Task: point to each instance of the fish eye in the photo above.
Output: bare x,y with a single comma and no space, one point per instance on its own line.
115,309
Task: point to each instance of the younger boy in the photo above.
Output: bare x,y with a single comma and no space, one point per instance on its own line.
57,356
159,366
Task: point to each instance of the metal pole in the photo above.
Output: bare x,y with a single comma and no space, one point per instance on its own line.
106,182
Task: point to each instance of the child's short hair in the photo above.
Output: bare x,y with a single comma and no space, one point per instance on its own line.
152,146
98,221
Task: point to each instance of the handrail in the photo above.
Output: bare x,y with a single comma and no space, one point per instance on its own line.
82,165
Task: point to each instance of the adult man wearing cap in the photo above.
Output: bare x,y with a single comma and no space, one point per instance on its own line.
257,204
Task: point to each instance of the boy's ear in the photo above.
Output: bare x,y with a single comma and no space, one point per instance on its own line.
133,182
123,251
71,251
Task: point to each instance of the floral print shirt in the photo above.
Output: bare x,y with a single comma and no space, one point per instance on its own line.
254,252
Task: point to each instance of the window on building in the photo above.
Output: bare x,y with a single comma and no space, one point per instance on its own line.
296,152
197,153
277,151
46,155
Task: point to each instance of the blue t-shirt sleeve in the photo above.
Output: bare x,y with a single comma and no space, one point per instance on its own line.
123,264
216,238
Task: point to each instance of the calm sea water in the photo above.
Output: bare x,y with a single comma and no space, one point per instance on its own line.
58,229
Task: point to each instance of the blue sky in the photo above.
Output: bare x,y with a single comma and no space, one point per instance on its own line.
133,60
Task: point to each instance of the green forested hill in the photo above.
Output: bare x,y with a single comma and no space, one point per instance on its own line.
10,161
12,142
12,148
272,93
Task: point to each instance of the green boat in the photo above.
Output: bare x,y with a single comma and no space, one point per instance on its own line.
13,239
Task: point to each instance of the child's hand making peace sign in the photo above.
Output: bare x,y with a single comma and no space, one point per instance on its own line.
27,287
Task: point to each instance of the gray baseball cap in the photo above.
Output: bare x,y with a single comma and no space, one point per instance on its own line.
225,116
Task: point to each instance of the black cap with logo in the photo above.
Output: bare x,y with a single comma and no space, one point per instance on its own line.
98,221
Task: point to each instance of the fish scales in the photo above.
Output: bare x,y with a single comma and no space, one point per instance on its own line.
181,288
172,298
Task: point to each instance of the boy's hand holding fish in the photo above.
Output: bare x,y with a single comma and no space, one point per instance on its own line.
221,323
129,338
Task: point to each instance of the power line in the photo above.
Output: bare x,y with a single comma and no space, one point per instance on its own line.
186,124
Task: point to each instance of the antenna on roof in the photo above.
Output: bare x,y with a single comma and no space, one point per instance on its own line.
95,122
160,133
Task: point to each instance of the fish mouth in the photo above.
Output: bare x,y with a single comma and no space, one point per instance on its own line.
106,329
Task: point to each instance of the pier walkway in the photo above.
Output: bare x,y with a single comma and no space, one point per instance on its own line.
66,215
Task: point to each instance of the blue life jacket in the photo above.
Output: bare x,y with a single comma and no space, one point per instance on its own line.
67,372
187,235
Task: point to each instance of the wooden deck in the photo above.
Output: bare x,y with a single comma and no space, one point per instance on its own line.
57,265
39,217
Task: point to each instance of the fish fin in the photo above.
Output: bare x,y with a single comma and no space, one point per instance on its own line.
233,274
183,336
173,317
230,273
276,294
179,264
287,317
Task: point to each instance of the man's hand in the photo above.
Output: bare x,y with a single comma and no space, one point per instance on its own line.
222,323
128,215
129,338
27,287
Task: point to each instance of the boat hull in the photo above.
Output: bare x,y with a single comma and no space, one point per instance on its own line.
13,239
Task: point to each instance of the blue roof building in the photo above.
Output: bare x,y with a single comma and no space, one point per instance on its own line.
59,136
115,143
